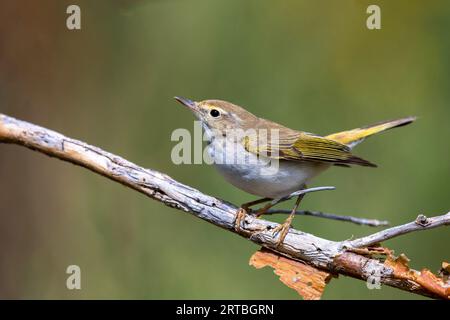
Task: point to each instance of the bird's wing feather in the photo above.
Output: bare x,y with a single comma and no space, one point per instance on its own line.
353,137
301,146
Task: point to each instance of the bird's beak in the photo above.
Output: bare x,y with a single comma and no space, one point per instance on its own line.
188,103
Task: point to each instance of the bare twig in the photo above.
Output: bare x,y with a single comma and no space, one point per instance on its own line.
303,191
295,194
421,223
355,220
319,252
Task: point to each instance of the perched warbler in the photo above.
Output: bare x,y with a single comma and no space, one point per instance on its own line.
299,156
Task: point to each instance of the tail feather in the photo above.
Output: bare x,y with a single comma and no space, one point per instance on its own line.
361,162
353,137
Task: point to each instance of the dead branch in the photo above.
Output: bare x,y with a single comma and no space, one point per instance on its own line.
357,258
421,223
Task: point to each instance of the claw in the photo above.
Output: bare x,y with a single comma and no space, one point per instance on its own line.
240,215
283,229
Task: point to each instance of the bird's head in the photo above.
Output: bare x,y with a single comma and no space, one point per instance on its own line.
219,115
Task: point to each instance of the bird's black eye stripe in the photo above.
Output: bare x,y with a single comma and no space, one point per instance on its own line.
214,113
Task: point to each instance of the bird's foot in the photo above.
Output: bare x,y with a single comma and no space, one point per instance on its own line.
283,230
240,216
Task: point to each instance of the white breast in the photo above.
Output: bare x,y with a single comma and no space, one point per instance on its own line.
256,175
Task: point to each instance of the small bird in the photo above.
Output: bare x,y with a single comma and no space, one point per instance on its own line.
244,159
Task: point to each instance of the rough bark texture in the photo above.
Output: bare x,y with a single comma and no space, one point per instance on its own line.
355,258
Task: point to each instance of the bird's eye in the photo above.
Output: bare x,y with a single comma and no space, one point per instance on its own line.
214,113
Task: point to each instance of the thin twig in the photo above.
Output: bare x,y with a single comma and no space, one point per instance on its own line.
355,220
421,223
303,191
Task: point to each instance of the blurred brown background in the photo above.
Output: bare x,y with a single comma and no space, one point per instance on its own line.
311,65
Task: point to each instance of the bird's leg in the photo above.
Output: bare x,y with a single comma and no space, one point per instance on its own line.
284,228
244,209
264,209
274,202
247,205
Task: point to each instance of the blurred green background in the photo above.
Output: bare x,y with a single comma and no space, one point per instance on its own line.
310,65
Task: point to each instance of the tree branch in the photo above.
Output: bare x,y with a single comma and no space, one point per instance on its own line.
344,257
421,223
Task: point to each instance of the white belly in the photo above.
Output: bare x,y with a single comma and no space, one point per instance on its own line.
254,175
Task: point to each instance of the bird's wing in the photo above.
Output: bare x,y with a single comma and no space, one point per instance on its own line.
301,146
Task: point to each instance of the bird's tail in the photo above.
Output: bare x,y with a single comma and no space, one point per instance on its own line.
353,137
